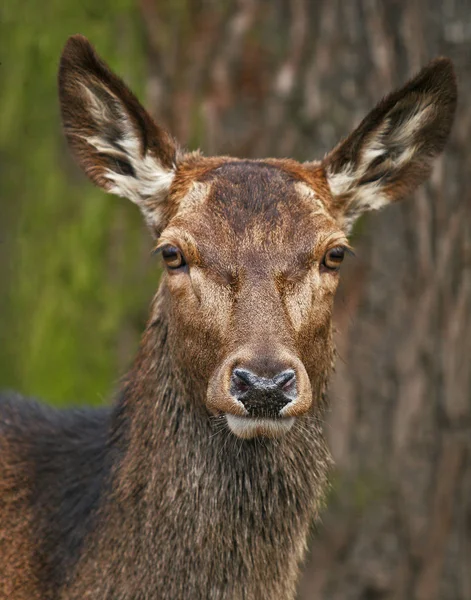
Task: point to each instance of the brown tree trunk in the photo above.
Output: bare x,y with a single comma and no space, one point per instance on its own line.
399,524
289,79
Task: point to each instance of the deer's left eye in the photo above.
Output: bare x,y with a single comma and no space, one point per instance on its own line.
173,257
333,258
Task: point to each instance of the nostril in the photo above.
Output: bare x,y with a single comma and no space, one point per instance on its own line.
246,376
242,381
286,379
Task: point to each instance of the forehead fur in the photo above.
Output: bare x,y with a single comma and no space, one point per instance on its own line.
264,194
250,194
232,208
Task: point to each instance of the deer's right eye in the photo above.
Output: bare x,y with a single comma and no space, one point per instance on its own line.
173,258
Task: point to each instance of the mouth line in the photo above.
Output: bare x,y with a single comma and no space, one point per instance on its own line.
247,427
249,417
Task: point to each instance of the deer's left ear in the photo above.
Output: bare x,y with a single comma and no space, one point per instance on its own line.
391,152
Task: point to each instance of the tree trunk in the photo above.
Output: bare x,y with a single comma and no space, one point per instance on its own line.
399,524
291,78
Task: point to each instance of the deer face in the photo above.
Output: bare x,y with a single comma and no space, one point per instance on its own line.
252,260
252,249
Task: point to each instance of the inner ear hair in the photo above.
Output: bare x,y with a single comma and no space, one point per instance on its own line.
392,150
113,138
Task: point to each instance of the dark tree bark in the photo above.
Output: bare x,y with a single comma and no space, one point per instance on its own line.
289,79
400,428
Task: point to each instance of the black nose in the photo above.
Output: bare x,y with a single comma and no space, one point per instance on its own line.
263,396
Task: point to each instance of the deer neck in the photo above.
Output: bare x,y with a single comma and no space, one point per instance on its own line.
200,510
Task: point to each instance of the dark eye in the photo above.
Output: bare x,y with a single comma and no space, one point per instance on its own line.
173,258
333,258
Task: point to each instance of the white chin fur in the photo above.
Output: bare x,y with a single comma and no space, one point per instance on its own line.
246,427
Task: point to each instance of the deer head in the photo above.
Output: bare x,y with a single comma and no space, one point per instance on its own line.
252,248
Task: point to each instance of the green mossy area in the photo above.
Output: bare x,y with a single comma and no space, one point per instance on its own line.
75,274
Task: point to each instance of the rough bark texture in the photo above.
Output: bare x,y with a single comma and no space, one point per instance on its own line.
400,423
291,78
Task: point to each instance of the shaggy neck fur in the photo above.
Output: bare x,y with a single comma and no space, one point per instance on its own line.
192,511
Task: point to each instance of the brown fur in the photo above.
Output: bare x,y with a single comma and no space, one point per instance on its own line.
159,497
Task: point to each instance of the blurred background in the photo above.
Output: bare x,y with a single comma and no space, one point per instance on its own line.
256,78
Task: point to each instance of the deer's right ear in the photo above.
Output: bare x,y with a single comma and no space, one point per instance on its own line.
113,138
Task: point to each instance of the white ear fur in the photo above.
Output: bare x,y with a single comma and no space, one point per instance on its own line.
146,181
114,139
392,150
372,195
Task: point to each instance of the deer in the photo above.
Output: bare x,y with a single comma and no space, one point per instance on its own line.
204,476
